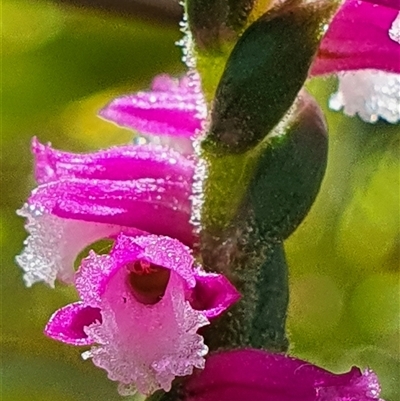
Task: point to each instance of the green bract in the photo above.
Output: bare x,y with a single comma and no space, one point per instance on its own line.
284,183
263,75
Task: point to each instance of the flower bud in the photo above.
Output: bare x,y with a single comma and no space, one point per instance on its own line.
290,171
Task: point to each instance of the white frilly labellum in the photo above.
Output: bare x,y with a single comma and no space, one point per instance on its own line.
144,347
371,94
54,243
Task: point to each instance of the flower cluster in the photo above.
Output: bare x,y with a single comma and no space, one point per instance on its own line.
142,304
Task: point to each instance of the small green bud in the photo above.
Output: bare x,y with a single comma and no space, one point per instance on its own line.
290,171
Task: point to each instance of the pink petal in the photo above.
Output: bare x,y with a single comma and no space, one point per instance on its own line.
93,275
68,323
395,4
159,206
360,387
358,38
118,163
161,251
174,108
165,252
262,376
213,294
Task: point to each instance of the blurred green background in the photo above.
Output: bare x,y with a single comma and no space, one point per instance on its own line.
60,65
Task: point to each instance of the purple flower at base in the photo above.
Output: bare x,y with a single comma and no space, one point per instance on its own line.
262,376
141,307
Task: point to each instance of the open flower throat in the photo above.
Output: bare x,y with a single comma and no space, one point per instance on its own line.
148,282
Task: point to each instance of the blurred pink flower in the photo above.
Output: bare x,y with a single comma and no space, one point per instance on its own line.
256,375
141,306
362,46
362,35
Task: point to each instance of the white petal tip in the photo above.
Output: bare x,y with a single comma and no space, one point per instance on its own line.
370,94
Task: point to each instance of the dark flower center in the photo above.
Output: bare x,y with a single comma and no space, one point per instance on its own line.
147,281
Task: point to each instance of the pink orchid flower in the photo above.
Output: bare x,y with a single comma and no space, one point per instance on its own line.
363,34
256,375
141,307
82,198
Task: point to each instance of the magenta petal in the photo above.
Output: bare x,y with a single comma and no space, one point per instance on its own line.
162,251
360,387
395,4
96,270
358,38
213,294
118,163
174,108
68,323
158,206
262,376
92,277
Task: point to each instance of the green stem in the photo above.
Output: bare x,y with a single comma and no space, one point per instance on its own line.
269,321
258,319
258,270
